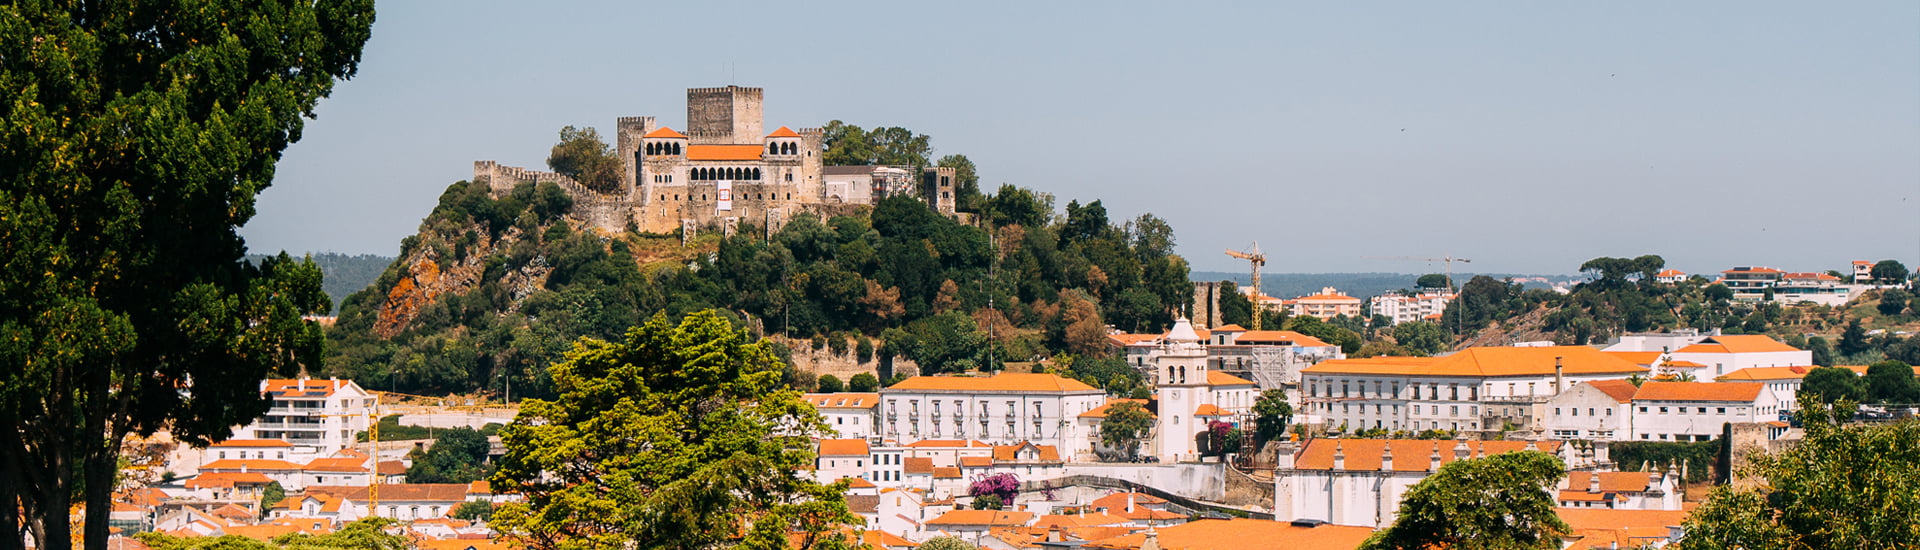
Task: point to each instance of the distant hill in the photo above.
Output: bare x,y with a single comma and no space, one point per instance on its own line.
345,274
1290,285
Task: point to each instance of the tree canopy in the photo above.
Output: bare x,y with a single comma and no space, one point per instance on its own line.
133,140
1830,384
680,436
1889,272
1271,415
1501,501
583,156
1127,423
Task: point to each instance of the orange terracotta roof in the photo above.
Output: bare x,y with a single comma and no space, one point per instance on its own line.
724,152
1642,358
976,461
1604,528
1611,482
1582,495
250,443
397,492
1208,410
234,512
1811,275
1217,378
1777,373
148,497
1006,381
946,472
1124,340
1009,452
1704,348
1682,364
843,447
784,132
479,487
250,464
1670,273
1753,270
1241,534
304,388
1862,262
843,400
1749,343
917,465
1118,501
948,443
982,517
1409,455
390,468
226,479
1487,361
1739,392
664,132
1620,390
1231,328
339,465
859,483
1101,411
1278,337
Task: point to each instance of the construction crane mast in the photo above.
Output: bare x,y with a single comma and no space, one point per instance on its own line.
1253,256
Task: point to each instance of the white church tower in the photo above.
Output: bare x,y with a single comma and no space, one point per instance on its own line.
1181,371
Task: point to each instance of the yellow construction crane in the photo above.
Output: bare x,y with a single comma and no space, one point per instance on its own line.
1258,260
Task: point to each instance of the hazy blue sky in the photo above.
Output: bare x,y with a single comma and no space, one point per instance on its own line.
1526,136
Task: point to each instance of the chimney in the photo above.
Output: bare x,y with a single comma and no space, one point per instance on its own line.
1433,461
1593,482
1559,377
1129,502
1386,457
1152,542
1339,456
1461,451
1053,534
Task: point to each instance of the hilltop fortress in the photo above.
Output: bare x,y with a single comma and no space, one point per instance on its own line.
724,170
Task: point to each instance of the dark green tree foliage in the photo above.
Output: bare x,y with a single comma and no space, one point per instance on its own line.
1126,425
133,140
831,384
472,510
1501,501
680,436
1433,280
1893,302
1481,301
272,495
365,534
849,145
1423,337
1348,340
1235,308
1853,340
1271,415
1698,457
863,383
583,156
1891,381
1830,384
458,455
1844,486
1889,272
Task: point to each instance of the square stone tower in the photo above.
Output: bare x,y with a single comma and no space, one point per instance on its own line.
729,115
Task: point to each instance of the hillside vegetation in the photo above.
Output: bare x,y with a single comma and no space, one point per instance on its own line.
344,273
497,288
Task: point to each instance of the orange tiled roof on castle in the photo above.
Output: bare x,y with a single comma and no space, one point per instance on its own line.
1487,361
664,132
1747,343
724,152
1006,381
1777,373
784,132
1738,392
1409,455
843,447
1241,534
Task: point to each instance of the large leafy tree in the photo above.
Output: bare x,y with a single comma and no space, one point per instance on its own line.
1127,423
1891,381
586,158
1843,486
134,137
681,436
1501,501
1271,415
1889,272
1830,384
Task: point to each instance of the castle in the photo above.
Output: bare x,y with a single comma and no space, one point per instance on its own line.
723,171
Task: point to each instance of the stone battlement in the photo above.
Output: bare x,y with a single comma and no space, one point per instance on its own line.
723,90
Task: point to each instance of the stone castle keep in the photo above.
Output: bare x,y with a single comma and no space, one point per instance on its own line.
720,172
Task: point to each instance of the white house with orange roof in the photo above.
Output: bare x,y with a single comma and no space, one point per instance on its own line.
1329,303
1812,287
842,458
1360,482
1457,392
1750,283
1670,276
1597,410
1696,411
1862,272
850,414
1192,394
1722,354
288,474
323,415
971,525
1782,382
1620,490
1005,408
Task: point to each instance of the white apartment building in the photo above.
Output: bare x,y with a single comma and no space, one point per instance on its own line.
1598,410
1329,303
842,458
1696,411
1006,408
1403,308
1360,482
1782,382
1456,392
850,414
322,415
1193,395
1722,354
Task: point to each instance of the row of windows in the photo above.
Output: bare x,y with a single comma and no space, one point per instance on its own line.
663,148
1380,390
727,173
1592,412
1452,410
743,196
1681,410
783,148
1678,437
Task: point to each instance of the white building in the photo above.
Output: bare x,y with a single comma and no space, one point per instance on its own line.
842,458
322,415
1360,482
1192,395
1403,308
1727,353
1469,390
1620,491
1782,382
851,414
1670,276
1597,410
1657,342
288,474
1270,358
1006,408
1696,411
1815,288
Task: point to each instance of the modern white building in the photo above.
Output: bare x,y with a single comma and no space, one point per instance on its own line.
1811,287
1722,354
1360,482
1006,408
850,414
1472,389
1697,411
322,415
1405,308
1596,410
